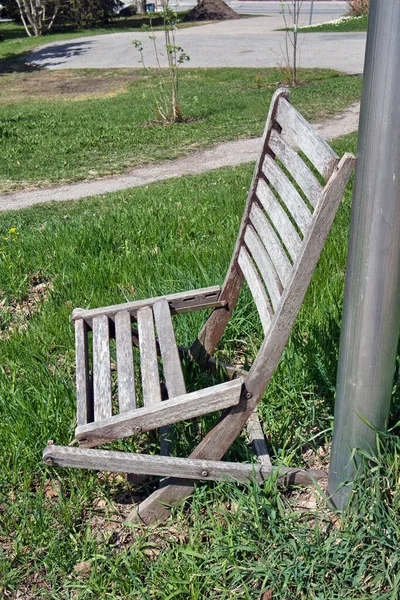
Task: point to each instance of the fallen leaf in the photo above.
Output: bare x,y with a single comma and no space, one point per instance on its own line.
267,595
83,567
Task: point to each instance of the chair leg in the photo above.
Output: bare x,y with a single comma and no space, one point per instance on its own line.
214,445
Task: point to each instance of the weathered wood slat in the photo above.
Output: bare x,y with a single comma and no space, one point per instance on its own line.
256,287
148,357
264,264
279,218
84,399
169,352
214,327
177,409
307,138
174,380
257,439
166,466
297,168
179,303
288,194
126,374
101,369
271,242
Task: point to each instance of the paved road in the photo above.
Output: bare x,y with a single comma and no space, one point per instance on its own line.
322,11
251,42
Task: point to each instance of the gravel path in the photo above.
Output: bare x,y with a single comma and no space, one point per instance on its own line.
223,155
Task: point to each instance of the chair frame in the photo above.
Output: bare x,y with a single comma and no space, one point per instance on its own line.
278,307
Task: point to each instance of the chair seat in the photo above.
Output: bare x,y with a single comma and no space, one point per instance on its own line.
149,328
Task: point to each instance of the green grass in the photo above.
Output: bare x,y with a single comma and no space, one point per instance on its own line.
47,140
235,541
350,24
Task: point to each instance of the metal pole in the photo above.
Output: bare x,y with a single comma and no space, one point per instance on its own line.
371,316
311,11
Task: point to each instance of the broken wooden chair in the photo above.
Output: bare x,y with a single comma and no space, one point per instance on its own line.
286,220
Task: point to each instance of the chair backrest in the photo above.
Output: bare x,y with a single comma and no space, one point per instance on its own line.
286,220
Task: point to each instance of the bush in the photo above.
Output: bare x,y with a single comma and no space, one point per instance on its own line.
358,7
128,11
85,14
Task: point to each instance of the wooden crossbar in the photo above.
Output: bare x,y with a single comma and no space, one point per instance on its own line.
167,466
171,411
179,303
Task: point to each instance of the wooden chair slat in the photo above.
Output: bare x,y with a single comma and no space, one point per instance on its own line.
169,352
174,380
173,466
148,357
180,408
84,412
256,287
307,138
179,303
101,369
279,218
257,439
264,264
297,168
288,194
126,373
271,242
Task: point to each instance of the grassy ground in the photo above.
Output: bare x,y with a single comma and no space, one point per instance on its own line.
61,534
50,135
350,24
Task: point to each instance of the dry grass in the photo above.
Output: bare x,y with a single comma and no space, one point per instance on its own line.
65,85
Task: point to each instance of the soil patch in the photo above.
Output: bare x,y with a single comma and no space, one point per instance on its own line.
211,10
71,85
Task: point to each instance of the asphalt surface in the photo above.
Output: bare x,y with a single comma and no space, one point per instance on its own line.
222,155
249,42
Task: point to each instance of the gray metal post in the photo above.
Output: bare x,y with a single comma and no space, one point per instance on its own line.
371,316
311,11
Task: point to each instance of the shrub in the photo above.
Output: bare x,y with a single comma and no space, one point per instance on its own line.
358,7
128,11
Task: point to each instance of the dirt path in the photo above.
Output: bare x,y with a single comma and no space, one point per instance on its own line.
223,155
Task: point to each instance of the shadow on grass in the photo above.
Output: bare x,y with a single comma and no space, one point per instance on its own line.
57,54
14,62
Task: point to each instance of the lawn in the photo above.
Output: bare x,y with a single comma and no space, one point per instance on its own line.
60,533
60,126
345,24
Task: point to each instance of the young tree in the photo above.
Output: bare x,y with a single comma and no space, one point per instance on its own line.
167,100
290,10
37,16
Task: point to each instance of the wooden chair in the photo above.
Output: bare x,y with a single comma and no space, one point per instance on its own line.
286,220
